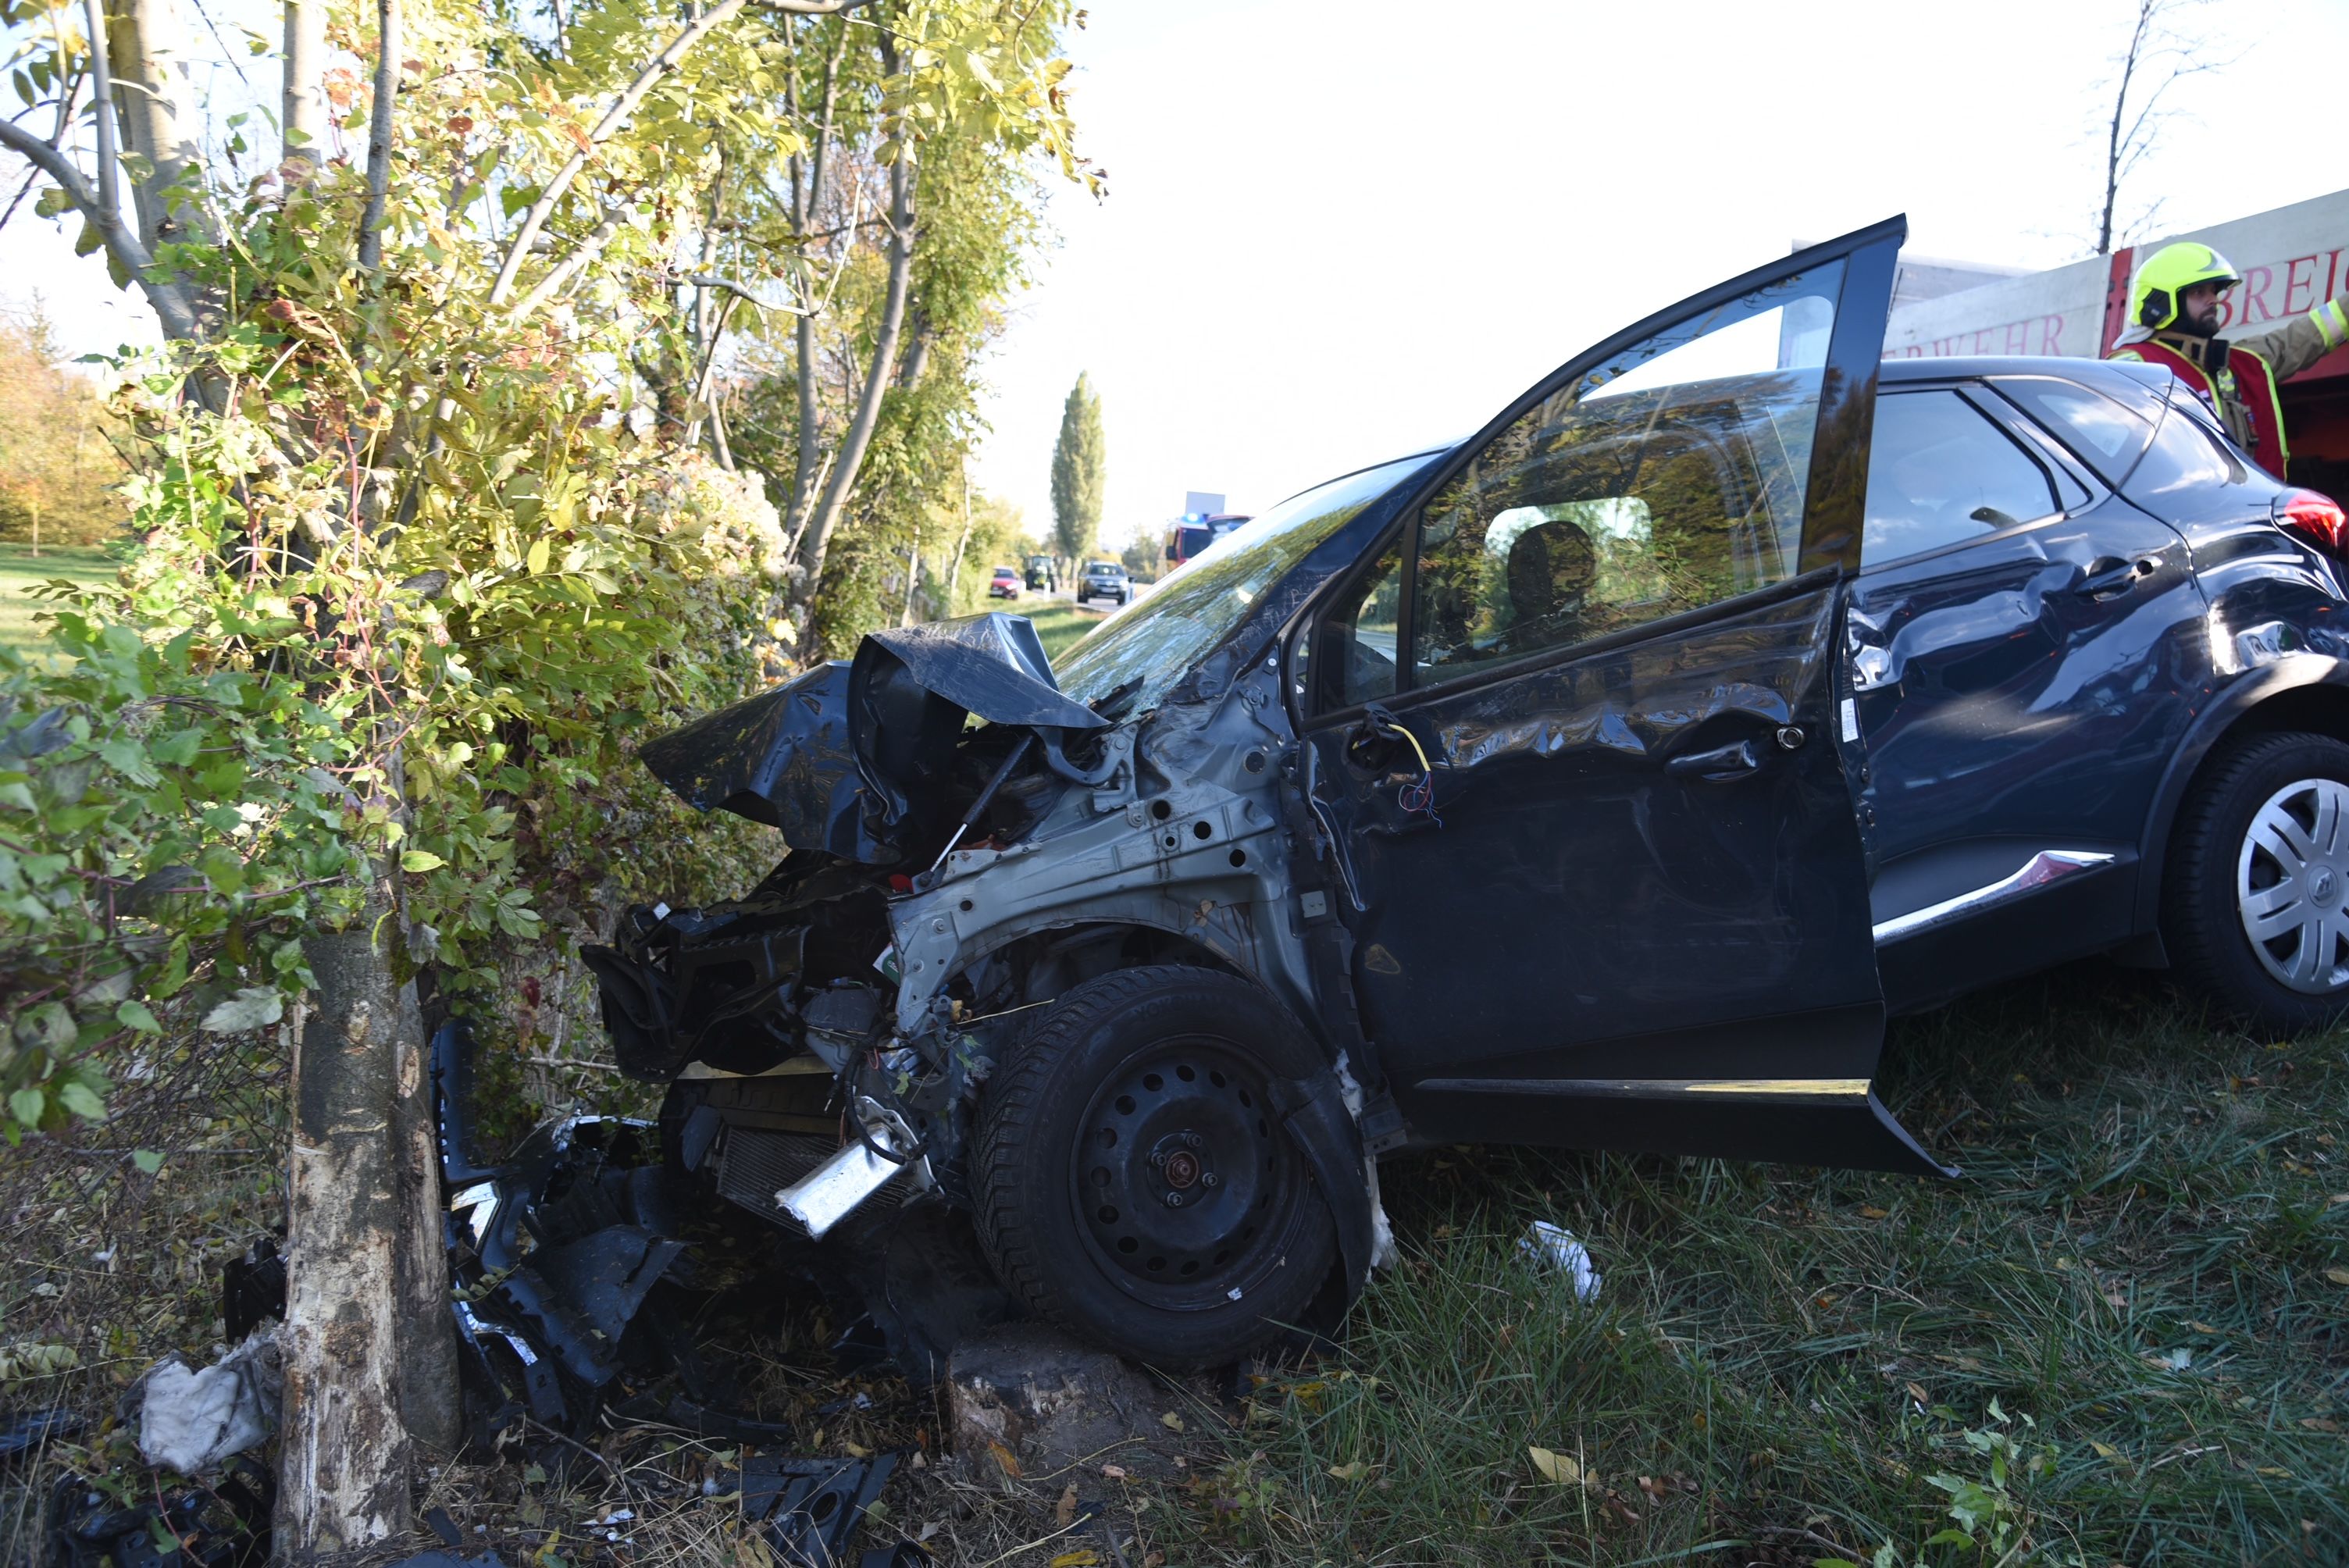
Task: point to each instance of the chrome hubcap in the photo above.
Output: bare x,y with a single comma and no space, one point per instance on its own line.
2291,879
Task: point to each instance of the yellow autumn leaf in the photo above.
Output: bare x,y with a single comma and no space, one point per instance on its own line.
1349,1471
2337,1276
539,551
1170,1421
1082,1557
1563,1468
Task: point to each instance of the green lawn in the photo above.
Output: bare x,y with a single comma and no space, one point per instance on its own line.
2145,1270
21,571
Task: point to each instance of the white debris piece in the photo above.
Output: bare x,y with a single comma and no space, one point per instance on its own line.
189,1421
1562,1249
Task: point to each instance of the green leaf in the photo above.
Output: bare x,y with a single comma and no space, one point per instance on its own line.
420,860
27,1105
137,1015
539,551
252,1007
79,1097
147,1160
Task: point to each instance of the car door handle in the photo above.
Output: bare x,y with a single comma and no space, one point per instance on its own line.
1720,765
2108,577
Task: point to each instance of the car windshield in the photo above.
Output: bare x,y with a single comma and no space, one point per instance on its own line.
1157,639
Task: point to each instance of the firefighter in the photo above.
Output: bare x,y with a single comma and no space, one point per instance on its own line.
2173,312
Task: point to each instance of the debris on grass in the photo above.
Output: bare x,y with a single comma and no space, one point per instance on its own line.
190,1421
1555,1247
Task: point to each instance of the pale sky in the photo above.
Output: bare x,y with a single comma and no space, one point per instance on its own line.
1337,231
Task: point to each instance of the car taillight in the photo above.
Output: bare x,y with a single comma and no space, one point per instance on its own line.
2316,518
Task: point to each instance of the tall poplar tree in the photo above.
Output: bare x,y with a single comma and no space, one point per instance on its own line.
1079,460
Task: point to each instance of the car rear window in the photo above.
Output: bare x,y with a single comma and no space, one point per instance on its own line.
2107,435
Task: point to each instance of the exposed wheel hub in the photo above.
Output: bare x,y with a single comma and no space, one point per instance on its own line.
1184,1179
2290,878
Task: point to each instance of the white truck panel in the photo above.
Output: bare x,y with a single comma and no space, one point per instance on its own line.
2292,258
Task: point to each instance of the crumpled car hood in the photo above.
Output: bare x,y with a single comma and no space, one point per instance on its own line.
846,759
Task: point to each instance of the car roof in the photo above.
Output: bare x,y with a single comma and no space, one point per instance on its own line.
1972,368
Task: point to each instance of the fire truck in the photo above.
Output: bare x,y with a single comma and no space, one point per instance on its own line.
2291,259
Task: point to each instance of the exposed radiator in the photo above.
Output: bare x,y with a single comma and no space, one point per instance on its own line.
754,1164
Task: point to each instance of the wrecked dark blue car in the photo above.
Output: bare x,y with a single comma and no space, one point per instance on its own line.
1599,781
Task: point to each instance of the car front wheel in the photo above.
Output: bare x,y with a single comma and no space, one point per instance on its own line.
1135,1181
2257,900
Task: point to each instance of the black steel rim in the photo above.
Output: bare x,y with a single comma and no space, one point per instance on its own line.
1186,1187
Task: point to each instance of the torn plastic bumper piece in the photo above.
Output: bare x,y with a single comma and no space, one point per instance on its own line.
809,1509
550,1251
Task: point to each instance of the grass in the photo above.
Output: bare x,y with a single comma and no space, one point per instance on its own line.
2145,1271
21,572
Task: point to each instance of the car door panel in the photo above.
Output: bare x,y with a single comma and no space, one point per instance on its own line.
2003,683
1612,893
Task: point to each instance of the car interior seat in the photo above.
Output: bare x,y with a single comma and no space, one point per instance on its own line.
1550,569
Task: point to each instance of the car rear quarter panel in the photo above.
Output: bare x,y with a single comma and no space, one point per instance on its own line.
2276,638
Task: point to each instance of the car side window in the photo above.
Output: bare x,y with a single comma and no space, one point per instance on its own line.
1355,659
1939,472
1666,478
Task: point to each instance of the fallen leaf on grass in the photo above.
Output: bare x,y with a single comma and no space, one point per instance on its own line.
1354,1471
1114,1472
2319,1424
1563,1468
1917,1392
2112,1455
1870,1212
1172,1421
1082,1557
1007,1458
1065,1512
2337,1276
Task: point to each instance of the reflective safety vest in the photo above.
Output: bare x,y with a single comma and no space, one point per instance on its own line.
2246,384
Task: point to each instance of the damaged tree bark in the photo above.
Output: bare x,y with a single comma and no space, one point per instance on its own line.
344,1449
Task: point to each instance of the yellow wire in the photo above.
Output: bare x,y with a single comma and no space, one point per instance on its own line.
1407,735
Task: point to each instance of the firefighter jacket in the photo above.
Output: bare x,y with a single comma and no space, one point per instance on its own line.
2238,378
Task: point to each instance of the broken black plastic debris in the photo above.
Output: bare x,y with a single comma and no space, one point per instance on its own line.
253,1289
225,1525
21,1434
808,1509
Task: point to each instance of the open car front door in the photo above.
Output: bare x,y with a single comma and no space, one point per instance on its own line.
1577,735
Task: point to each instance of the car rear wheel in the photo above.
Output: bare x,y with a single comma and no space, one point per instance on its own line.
2257,916
1135,1182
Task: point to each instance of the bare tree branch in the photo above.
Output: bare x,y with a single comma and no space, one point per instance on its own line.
627,104
109,157
2128,138
170,304
386,91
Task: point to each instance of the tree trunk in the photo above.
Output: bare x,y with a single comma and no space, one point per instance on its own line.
344,1456
849,457
147,42
304,105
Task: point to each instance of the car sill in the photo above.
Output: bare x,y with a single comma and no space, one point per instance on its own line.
2042,869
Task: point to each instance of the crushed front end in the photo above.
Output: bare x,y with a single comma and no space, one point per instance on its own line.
966,844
